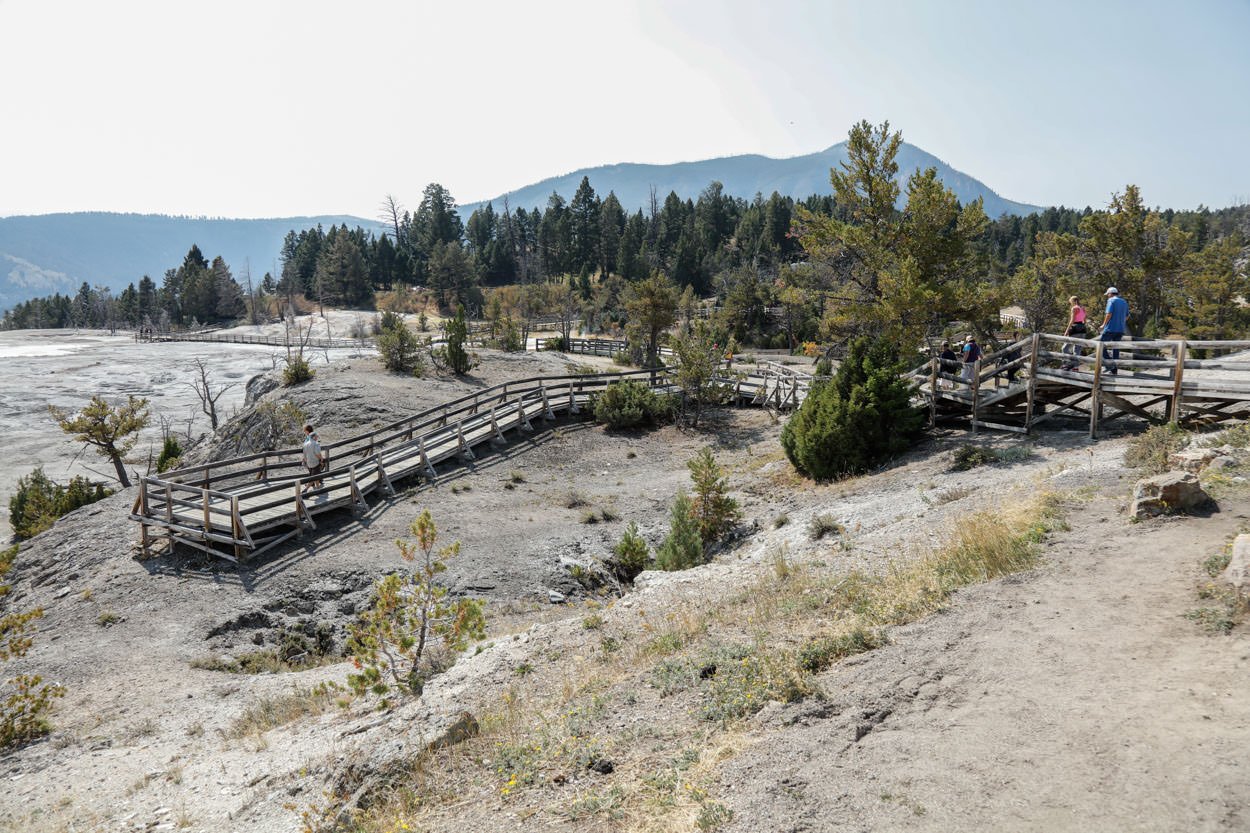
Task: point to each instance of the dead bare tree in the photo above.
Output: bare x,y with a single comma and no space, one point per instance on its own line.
203,387
253,308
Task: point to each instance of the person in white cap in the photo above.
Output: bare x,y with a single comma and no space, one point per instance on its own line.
1114,323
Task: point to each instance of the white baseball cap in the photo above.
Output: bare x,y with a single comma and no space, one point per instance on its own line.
1111,290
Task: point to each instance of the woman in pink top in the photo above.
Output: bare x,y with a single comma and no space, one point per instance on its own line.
1076,329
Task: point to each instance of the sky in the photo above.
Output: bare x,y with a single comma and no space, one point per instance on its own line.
268,108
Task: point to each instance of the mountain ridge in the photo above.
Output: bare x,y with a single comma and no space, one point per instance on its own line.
48,253
743,175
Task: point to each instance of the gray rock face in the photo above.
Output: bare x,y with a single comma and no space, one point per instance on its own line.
1173,491
1192,459
1237,573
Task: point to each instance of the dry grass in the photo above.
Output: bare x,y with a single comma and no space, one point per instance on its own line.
586,746
272,711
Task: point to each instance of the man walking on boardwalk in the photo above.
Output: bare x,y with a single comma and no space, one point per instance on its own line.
314,457
1114,323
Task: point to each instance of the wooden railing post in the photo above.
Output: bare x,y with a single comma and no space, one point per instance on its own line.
1176,383
1032,389
976,393
1095,399
933,390
236,528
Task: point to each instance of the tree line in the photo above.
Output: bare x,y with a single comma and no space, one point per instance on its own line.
879,254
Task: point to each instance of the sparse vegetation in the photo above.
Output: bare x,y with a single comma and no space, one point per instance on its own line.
297,371
629,404
822,525
25,699
269,712
398,347
38,502
631,554
411,631
1150,451
968,457
171,453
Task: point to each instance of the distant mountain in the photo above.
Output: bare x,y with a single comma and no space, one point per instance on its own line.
43,254
743,176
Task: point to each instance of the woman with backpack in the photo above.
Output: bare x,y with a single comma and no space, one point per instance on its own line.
971,353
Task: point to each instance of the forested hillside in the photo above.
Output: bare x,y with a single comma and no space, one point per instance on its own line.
886,253
41,255
744,176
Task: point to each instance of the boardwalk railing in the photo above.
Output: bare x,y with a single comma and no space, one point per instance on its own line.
267,341
1045,375
245,505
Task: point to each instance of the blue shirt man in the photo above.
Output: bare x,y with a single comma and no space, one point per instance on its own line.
1116,320
1114,324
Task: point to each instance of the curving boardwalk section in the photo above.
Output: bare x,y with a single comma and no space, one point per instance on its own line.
241,507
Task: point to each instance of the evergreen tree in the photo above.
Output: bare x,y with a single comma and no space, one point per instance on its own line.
584,238
683,546
858,419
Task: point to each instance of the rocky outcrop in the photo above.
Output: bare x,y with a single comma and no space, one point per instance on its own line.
1173,491
1237,573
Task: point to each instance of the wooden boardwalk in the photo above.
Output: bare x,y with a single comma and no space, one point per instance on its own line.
241,507
1043,376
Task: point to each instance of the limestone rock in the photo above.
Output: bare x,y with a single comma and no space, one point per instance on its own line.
1237,573
1192,459
1173,491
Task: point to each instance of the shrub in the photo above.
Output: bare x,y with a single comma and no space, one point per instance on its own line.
171,453
824,367
400,349
630,403
458,359
856,420
968,457
822,525
630,554
822,652
390,321
297,370
714,511
396,643
38,501
683,548
26,698
1150,451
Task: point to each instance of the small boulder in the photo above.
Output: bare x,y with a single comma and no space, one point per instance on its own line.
1173,491
1237,573
1221,462
1192,459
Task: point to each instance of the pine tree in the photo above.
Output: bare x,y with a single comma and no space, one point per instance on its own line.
683,547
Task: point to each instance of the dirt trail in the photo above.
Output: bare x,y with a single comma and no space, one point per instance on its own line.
1075,697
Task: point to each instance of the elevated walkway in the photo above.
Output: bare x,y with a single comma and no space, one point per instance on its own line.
241,507
1043,375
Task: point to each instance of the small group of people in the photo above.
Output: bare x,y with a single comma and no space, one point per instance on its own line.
1114,326
969,353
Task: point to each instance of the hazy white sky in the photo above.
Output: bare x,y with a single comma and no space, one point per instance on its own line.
264,108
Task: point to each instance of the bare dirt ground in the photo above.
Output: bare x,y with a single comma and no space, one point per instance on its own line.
1072,697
